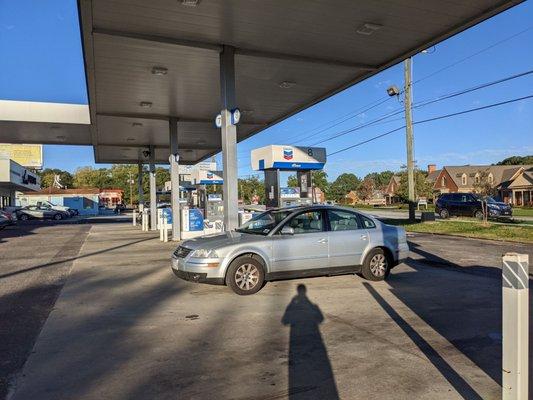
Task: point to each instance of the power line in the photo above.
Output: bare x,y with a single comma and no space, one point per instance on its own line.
472,55
430,120
425,103
359,111
472,89
380,101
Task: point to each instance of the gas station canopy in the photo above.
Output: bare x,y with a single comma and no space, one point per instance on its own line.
149,61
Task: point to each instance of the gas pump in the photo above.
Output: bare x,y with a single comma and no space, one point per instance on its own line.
209,205
275,158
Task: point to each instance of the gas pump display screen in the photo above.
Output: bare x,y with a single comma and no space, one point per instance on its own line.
196,219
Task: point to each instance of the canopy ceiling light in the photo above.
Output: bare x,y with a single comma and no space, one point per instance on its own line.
145,104
190,3
286,84
157,70
368,29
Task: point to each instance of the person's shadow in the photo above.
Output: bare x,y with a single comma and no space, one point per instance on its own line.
310,373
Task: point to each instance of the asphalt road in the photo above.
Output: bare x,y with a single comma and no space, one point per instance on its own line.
35,260
125,327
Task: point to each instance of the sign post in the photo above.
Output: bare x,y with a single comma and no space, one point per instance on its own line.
515,330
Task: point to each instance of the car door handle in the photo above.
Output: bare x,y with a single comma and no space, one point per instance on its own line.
323,240
364,237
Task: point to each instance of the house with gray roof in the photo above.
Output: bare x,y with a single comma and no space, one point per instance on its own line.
511,183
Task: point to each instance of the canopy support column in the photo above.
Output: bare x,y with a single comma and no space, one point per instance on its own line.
153,192
175,179
140,190
229,138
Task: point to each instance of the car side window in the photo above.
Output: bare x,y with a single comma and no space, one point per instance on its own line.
343,221
307,222
367,222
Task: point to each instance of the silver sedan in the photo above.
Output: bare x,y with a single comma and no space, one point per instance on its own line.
290,243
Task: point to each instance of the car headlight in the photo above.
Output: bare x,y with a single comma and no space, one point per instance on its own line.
204,253
494,206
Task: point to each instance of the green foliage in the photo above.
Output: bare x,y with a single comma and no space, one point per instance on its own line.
47,177
342,186
320,180
292,181
251,187
380,179
422,187
517,160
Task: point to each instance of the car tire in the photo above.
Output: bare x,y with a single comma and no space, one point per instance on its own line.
245,276
57,217
376,266
478,214
444,213
24,217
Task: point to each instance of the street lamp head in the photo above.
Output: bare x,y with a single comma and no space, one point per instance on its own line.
393,91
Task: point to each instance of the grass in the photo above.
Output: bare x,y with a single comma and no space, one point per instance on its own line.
395,207
522,212
471,229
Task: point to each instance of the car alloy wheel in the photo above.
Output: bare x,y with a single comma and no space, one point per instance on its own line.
444,214
57,217
23,217
478,214
247,276
378,265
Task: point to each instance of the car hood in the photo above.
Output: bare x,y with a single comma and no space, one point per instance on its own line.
220,240
500,204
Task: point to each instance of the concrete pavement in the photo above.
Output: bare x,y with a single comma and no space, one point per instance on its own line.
125,328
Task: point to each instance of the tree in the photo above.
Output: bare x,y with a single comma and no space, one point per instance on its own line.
517,160
89,177
320,180
381,179
292,181
367,187
251,187
483,186
423,188
344,184
47,177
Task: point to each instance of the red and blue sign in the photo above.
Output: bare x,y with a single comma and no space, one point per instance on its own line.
287,154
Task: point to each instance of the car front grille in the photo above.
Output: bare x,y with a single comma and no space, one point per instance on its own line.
182,252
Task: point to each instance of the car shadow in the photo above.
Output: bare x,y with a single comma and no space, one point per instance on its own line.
310,372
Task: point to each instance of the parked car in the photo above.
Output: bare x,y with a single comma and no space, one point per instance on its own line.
66,212
293,242
6,219
69,211
470,205
36,212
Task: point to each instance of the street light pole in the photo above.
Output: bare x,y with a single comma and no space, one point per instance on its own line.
409,138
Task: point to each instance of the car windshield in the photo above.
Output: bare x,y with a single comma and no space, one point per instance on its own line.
488,199
263,223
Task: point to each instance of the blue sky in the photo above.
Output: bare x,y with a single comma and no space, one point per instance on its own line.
478,138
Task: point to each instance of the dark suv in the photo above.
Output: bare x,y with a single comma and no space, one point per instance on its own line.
469,205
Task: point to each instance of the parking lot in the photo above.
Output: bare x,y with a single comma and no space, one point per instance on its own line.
124,326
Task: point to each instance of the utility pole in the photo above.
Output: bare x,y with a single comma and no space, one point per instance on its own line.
409,138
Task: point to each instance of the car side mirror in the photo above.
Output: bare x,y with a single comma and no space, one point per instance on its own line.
287,230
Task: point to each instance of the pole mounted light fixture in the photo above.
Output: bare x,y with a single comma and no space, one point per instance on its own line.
393,91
